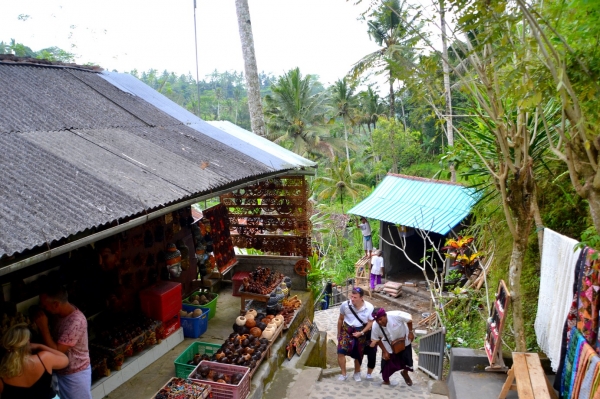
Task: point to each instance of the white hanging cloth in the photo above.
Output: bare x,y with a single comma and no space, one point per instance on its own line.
556,292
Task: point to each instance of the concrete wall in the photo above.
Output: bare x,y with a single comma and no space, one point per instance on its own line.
283,264
266,371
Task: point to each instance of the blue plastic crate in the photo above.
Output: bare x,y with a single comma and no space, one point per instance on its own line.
193,327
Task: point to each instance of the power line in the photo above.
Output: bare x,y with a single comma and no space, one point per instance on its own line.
197,74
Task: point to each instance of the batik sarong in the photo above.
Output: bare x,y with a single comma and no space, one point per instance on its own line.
398,361
349,345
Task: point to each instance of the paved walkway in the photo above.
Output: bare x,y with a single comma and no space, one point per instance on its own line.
332,388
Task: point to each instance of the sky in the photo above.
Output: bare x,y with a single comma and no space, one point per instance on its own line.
322,37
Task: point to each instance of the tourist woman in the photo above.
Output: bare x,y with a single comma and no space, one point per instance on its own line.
387,329
22,374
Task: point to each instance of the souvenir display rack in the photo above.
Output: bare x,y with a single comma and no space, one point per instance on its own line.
271,216
221,237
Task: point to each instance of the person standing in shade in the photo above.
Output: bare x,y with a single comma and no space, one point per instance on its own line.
376,268
365,229
68,334
388,327
24,375
353,326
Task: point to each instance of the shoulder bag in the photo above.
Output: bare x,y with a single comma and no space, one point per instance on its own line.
368,333
397,345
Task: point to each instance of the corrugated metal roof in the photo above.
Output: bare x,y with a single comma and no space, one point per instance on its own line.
227,133
260,142
425,204
79,153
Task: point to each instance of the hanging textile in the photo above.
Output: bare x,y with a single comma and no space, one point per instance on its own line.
570,323
556,292
587,352
588,379
588,305
571,360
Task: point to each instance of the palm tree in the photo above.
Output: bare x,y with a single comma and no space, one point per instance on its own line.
343,103
397,39
338,182
252,82
370,108
295,112
219,97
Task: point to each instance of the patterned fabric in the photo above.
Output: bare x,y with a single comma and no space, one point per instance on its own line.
398,361
596,386
350,346
72,331
567,380
569,323
588,379
587,353
588,305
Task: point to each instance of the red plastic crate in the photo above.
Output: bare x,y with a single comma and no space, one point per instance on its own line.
237,281
226,391
170,326
162,301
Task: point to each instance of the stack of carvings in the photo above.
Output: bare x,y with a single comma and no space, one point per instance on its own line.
271,216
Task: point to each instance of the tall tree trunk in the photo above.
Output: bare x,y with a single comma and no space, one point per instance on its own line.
392,99
346,143
252,82
447,92
593,198
403,114
519,197
514,283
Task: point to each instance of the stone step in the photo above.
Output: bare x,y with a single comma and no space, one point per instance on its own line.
333,388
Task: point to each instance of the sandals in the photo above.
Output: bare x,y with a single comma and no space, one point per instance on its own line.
406,377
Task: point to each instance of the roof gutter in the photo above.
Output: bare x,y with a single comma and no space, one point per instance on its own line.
51,253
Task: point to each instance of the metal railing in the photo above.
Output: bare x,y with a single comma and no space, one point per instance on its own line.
333,295
431,353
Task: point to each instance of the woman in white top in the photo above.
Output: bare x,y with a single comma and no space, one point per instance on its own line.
388,327
353,326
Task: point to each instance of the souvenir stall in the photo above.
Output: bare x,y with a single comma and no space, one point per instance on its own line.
578,374
566,323
142,290
130,290
272,217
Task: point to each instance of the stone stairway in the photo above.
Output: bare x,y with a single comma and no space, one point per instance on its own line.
329,387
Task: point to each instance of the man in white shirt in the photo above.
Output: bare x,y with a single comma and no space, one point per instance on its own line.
365,229
376,268
354,323
390,326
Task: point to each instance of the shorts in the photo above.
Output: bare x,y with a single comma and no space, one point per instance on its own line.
367,243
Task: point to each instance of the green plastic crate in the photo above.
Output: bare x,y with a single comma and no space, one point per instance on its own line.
212,305
182,369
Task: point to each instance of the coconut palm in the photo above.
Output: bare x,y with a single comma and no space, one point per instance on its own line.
252,81
343,104
295,112
392,26
337,182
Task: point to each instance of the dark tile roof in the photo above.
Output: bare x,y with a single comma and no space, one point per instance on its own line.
78,154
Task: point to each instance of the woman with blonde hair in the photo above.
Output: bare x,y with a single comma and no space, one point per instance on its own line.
23,375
